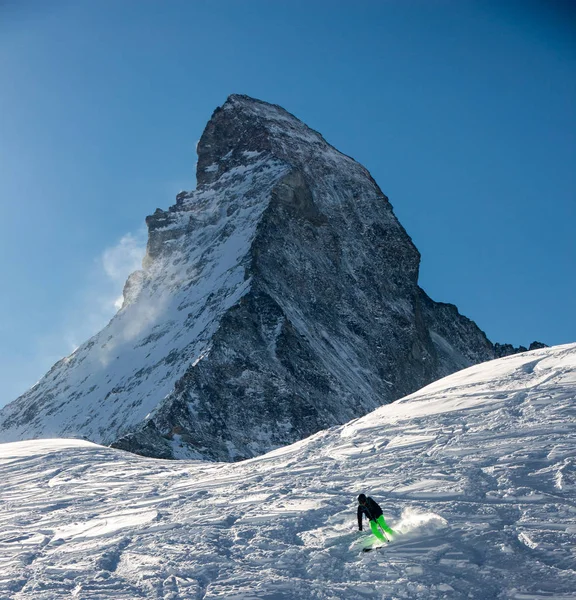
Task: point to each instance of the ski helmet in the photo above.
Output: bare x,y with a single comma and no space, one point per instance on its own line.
361,498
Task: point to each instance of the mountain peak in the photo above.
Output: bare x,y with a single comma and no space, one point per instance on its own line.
245,128
278,298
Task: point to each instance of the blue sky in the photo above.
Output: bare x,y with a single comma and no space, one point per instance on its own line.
463,112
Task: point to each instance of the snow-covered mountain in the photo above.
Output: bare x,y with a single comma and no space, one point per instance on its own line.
279,298
477,472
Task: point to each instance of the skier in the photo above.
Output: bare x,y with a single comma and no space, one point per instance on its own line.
369,507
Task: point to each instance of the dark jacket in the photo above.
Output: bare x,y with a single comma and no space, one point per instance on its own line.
371,509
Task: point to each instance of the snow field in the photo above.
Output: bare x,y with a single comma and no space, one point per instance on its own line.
478,472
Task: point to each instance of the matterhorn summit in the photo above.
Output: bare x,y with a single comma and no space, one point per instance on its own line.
277,299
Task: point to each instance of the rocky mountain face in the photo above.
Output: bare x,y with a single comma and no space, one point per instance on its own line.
279,298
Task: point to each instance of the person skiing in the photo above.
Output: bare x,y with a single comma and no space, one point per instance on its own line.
369,507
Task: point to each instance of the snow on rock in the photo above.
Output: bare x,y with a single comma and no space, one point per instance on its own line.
477,473
277,299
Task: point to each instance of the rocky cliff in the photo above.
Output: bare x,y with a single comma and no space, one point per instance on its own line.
279,298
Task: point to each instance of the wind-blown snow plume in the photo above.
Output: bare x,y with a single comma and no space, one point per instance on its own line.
123,259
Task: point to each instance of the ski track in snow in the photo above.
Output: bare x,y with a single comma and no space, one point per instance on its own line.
478,472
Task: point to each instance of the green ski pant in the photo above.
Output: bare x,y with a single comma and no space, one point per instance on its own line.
374,527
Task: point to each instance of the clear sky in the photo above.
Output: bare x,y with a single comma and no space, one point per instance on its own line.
463,111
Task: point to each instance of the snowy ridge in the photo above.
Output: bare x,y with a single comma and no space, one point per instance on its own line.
477,470
116,378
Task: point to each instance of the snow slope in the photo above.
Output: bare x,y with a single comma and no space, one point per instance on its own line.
477,470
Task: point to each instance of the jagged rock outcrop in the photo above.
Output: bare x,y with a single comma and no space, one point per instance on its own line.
501,350
278,298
